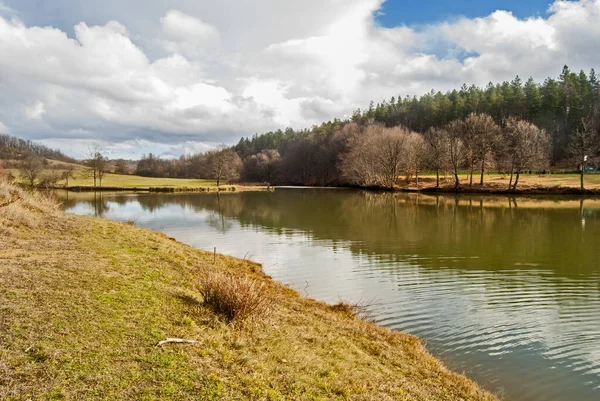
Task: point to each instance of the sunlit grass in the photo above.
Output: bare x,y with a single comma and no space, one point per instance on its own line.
83,178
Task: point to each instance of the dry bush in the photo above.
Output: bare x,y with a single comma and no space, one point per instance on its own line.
20,208
358,310
238,299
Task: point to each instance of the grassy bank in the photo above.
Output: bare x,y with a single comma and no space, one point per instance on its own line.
84,303
498,183
82,182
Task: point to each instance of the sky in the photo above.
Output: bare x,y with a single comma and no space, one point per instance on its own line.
176,77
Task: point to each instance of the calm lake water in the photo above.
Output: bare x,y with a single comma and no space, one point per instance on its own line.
506,290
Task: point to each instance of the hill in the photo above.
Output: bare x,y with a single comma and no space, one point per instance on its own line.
13,148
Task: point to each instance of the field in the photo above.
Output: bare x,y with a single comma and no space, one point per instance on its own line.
133,181
83,178
84,303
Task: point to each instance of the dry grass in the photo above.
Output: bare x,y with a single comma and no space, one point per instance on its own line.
499,182
83,303
19,208
239,299
358,310
83,178
82,182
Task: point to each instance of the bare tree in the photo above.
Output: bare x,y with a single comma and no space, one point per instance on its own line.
417,155
101,163
97,163
583,143
454,134
121,167
527,147
391,147
437,147
31,168
359,163
267,161
484,136
377,157
68,173
224,164
471,154
51,177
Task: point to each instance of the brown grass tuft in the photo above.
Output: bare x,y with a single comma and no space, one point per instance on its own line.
358,310
19,208
238,298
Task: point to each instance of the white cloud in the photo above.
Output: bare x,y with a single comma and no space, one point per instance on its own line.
182,27
211,72
187,35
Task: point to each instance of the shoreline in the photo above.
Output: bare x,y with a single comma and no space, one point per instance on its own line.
165,189
428,190
465,190
104,317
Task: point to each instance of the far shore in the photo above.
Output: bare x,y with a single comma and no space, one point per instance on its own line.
497,184
165,189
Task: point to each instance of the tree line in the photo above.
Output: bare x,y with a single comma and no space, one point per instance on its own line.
221,164
14,149
510,127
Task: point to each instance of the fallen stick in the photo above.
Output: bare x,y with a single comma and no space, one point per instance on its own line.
176,341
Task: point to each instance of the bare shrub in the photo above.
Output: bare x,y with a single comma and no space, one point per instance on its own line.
20,208
238,299
357,310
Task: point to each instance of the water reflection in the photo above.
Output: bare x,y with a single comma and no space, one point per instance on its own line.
506,289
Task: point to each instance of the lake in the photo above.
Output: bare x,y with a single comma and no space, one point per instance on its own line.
506,290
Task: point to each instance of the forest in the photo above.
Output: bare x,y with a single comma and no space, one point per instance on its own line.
510,126
12,149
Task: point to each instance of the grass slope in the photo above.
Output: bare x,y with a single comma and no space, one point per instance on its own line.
83,303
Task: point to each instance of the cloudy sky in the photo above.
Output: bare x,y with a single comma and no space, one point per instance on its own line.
180,76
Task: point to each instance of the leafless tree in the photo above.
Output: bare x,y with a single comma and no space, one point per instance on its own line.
31,168
485,136
262,166
97,163
377,157
68,173
417,152
224,164
51,177
121,167
101,163
527,147
454,134
437,146
583,143
471,154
